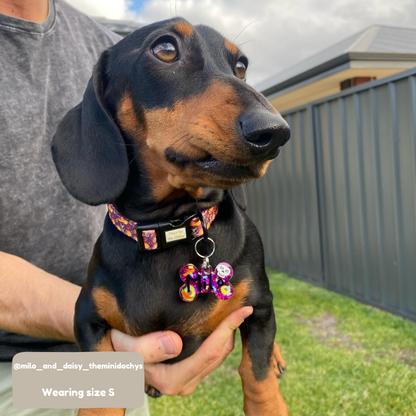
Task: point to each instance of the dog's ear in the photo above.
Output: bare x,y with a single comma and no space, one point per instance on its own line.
239,195
88,149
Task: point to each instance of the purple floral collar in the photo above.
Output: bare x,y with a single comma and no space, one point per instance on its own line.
161,235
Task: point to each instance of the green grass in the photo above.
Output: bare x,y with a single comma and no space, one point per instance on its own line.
344,358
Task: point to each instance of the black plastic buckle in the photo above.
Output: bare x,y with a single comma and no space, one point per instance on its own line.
168,233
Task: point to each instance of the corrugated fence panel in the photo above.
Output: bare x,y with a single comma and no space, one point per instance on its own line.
406,125
369,170
284,207
313,269
338,207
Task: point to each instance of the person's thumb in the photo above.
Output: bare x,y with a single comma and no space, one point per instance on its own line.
155,347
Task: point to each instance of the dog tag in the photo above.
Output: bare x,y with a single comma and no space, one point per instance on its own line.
206,280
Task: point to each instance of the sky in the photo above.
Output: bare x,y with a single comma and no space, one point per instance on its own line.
276,33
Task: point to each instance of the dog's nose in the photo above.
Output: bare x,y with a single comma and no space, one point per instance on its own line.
264,133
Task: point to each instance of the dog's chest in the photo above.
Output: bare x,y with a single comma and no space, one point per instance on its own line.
156,304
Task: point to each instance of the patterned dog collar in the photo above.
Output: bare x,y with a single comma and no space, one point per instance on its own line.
162,235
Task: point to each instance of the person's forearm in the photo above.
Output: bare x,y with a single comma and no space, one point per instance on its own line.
34,302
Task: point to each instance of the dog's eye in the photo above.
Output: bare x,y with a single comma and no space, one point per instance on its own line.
165,51
241,69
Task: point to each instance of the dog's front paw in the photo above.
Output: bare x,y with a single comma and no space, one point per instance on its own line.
152,391
279,363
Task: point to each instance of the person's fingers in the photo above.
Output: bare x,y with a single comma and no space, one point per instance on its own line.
172,386
193,384
171,379
229,346
155,347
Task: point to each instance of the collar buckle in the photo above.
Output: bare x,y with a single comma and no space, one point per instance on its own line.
168,233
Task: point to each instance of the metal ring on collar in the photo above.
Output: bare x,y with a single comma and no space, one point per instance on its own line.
213,247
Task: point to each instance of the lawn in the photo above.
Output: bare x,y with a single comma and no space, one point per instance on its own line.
344,358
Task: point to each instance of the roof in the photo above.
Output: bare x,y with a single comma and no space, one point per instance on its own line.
376,42
121,27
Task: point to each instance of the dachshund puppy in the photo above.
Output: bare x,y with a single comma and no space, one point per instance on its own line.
166,131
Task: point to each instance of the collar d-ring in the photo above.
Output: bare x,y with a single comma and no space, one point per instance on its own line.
207,255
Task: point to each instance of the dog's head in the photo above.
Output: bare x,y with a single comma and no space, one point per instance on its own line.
172,99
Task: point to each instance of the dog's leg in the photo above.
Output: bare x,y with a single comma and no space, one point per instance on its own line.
97,412
259,367
104,344
279,362
93,334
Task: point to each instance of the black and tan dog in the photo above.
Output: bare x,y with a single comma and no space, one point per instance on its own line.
166,128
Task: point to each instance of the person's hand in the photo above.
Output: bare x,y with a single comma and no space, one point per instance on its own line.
183,377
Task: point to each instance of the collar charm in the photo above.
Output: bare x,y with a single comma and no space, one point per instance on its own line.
206,280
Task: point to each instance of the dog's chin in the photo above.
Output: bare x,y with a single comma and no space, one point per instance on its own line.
234,172
211,172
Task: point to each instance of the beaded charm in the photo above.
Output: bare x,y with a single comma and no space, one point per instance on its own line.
206,280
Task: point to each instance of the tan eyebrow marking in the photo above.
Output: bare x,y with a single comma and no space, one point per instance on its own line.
231,47
184,29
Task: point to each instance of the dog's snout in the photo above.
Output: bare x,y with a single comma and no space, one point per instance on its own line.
264,133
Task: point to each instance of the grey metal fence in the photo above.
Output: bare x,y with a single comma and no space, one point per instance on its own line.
338,207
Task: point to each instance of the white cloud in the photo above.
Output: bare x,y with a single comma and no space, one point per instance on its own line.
287,30
111,9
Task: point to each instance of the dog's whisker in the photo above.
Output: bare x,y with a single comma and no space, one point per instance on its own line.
186,140
124,144
249,41
190,122
257,20
134,158
180,138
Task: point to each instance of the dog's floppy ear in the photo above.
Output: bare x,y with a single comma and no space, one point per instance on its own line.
239,195
88,149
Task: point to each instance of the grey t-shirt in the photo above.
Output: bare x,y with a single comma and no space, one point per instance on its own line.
44,70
